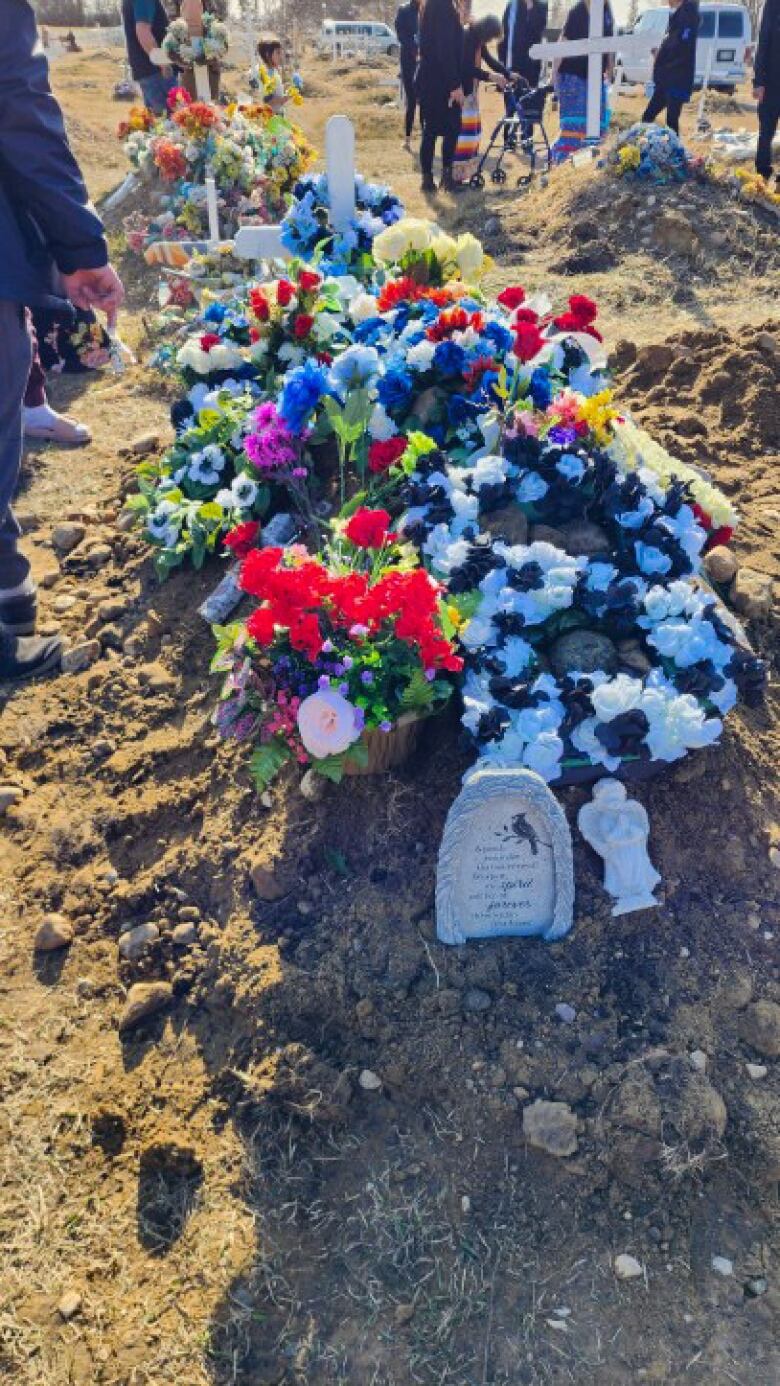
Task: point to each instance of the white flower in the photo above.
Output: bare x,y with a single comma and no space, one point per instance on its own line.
478,632
326,325
544,756
390,245
444,247
621,694
244,492
293,355
327,724
469,256
380,425
677,724
419,357
584,739
363,307
417,233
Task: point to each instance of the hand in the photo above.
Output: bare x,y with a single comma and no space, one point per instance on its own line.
457,97
96,288
758,94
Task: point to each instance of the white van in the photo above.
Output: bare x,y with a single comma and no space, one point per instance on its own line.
347,37
723,48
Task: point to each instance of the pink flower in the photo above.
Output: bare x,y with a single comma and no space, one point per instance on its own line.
326,723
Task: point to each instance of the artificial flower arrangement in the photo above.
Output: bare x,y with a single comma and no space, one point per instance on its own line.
308,234
751,187
255,157
342,644
183,49
654,154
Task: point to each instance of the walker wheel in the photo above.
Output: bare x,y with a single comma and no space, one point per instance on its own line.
498,176
477,181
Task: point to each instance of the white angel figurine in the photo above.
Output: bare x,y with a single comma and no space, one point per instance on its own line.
618,828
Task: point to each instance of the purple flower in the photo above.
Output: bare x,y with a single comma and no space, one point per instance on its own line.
385,726
366,677
563,434
343,689
323,681
327,647
360,718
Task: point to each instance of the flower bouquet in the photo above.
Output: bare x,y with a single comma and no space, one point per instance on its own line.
342,648
307,232
183,49
653,154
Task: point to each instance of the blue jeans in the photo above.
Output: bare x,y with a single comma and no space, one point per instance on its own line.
155,91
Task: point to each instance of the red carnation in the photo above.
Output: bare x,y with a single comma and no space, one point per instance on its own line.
309,281
285,292
384,454
241,539
261,625
178,96
528,341
325,358
209,340
303,325
512,297
525,315
254,334
368,529
583,308
259,305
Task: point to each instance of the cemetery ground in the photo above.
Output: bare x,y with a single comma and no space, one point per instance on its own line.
217,1197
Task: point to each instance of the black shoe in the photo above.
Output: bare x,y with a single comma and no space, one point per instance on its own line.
428,185
28,658
17,614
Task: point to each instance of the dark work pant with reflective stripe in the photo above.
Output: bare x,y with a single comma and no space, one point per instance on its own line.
15,359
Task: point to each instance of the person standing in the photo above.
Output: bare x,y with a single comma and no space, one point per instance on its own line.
145,24
407,28
524,24
766,85
52,249
440,88
674,68
570,76
476,37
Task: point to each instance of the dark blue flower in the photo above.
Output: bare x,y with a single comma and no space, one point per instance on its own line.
303,389
498,335
541,388
395,389
449,358
214,313
370,331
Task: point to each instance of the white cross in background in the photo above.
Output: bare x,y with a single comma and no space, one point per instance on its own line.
593,48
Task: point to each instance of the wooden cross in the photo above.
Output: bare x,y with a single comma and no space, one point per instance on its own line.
593,48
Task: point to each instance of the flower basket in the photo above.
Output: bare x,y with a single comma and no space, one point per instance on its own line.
386,750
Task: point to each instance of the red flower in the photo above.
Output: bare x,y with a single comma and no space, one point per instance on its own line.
257,569
178,96
260,625
285,292
583,308
525,315
303,325
325,358
254,334
528,341
456,320
305,635
209,340
368,528
309,281
512,297
259,305
241,539
580,317
383,455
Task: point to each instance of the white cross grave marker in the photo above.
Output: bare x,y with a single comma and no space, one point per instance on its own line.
264,242
593,48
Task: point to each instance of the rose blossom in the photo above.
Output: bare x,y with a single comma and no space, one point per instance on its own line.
326,723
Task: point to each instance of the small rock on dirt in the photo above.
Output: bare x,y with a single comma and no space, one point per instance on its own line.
756,1071
134,943
99,555
140,446
565,1012
370,1081
404,1313
752,593
185,933
69,1305
10,794
627,1267
312,786
720,564
143,1000
676,233
80,657
67,536
475,999
265,883
759,1026
54,932
62,604
722,1265
698,1060
756,1286
551,1126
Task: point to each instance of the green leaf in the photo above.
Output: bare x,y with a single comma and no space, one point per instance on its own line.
266,762
332,768
352,505
418,692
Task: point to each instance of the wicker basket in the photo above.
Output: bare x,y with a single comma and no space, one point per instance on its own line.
386,750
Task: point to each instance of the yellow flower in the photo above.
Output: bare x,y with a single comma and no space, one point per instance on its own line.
598,414
455,617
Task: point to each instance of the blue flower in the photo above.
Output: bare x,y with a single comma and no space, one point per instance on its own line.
651,559
354,367
395,389
570,467
541,388
370,331
449,358
303,389
498,335
215,312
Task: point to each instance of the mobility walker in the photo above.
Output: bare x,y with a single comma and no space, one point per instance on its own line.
520,131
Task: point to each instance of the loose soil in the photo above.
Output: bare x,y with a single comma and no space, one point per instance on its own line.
224,1199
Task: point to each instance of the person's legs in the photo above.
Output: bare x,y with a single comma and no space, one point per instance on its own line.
673,113
427,147
449,144
410,96
35,394
768,118
155,92
39,421
655,105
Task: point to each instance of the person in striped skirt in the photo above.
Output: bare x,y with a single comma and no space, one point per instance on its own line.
476,37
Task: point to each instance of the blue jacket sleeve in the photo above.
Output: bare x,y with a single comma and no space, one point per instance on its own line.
761,62
37,169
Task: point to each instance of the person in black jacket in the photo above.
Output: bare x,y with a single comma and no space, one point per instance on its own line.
407,28
766,85
145,24
52,249
476,37
524,24
440,87
674,68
